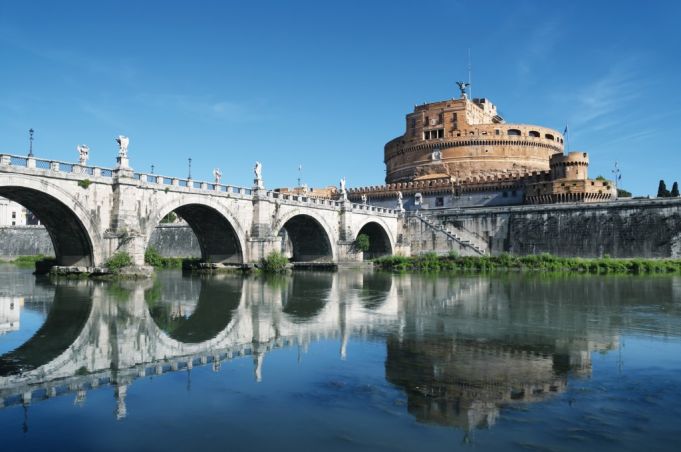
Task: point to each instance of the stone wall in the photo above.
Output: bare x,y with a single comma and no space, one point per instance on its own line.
169,239
24,241
175,240
634,228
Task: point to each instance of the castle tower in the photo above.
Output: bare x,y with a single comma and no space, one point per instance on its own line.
465,139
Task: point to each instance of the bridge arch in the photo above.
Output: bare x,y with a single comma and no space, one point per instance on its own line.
75,235
219,234
309,236
380,241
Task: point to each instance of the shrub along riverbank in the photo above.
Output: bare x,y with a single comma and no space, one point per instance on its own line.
542,262
25,261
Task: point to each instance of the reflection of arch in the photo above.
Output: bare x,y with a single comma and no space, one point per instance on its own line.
65,321
379,240
310,237
220,236
307,294
74,235
217,300
375,289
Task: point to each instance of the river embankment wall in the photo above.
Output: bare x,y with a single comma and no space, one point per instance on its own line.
171,240
646,228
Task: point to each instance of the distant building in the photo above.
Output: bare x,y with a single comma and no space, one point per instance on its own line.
12,213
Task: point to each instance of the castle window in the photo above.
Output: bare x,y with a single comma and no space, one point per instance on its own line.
534,133
497,132
514,132
439,201
14,214
505,194
433,134
548,136
513,193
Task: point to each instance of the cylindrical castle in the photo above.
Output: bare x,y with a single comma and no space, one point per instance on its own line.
466,139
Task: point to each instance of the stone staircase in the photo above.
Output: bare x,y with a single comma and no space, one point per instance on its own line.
460,235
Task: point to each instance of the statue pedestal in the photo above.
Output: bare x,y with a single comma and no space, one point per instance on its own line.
122,162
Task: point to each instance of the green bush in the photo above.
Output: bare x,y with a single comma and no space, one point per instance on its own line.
362,242
153,257
275,262
27,261
118,261
84,183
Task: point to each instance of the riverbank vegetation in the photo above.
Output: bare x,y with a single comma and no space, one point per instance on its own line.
543,262
153,257
26,261
274,263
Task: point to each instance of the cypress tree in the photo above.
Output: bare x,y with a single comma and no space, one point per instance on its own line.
662,190
675,190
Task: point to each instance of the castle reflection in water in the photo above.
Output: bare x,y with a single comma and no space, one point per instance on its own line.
460,348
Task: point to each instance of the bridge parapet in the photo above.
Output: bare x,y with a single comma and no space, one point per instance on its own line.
151,180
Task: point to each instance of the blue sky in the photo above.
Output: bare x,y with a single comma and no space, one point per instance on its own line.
326,84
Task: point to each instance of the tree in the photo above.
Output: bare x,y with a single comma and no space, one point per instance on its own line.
662,191
675,190
170,218
362,242
622,193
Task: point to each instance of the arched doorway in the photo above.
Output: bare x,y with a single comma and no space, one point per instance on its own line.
71,241
216,236
304,239
379,242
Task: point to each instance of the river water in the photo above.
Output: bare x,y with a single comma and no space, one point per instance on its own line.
340,361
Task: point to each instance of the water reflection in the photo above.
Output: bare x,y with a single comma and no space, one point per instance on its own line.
461,349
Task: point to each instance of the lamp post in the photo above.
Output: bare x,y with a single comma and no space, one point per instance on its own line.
190,168
152,169
30,142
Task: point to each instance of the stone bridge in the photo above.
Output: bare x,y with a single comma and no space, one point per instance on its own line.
92,212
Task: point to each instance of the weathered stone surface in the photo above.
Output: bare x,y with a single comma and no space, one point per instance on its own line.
118,211
649,228
24,241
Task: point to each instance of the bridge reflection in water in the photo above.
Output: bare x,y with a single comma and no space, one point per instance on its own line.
459,348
